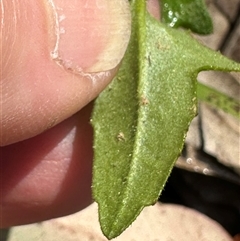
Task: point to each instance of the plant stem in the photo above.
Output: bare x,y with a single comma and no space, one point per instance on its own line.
218,100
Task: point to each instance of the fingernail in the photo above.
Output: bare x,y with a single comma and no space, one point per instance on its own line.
88,35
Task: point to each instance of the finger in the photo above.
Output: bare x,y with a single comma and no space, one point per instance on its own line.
55,58
49,175
153,7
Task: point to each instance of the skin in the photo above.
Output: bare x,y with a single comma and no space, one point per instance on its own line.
46,138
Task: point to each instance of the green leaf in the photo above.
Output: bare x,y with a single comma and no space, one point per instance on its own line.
141,119
191,14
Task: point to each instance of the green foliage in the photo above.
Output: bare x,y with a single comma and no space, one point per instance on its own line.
141,119
190,14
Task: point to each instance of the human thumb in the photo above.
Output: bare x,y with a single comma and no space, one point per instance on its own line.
56,56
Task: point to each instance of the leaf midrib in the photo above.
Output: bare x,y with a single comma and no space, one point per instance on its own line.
138,9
